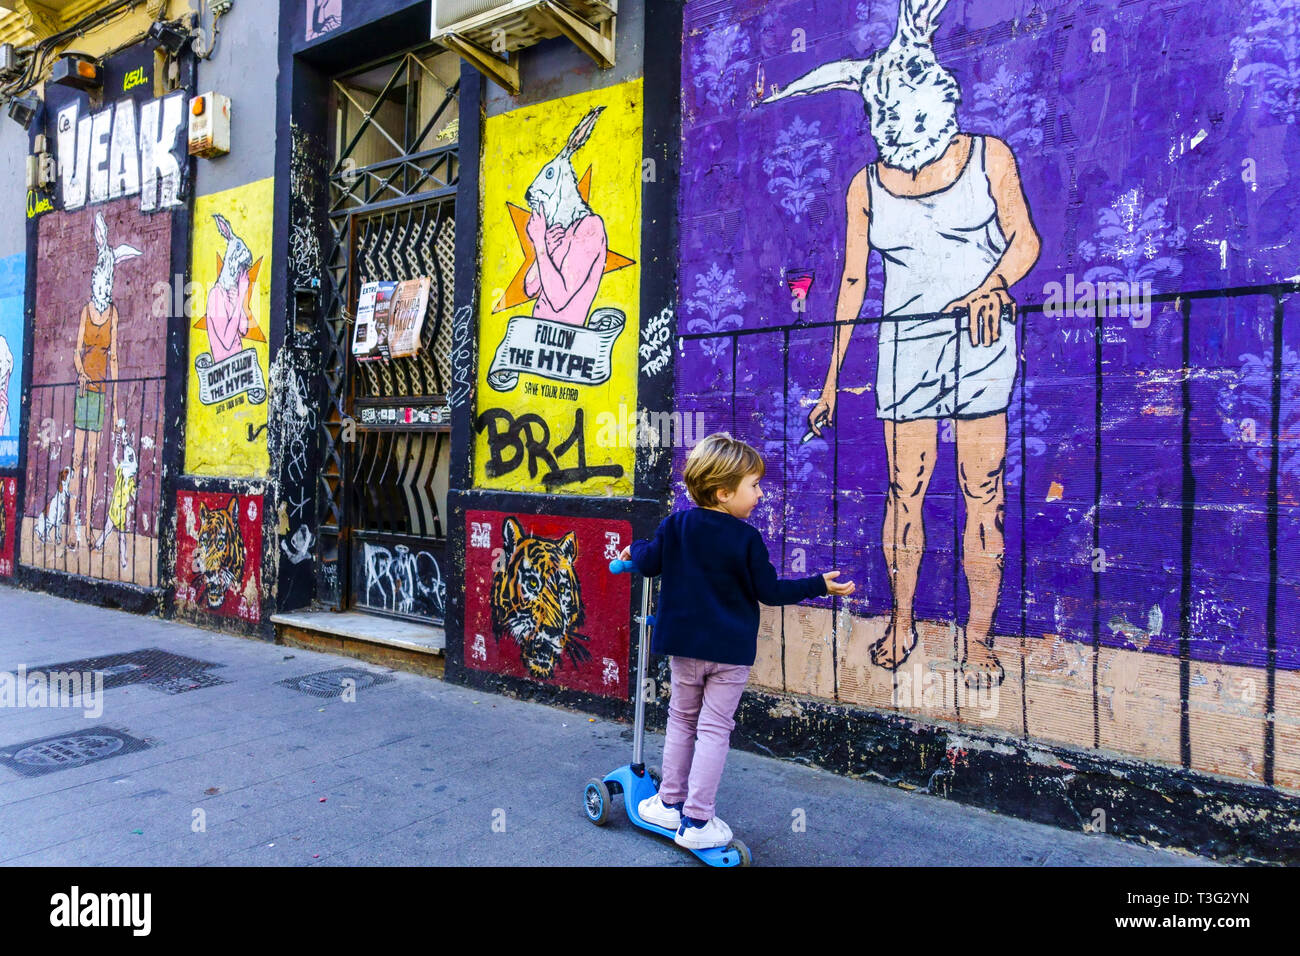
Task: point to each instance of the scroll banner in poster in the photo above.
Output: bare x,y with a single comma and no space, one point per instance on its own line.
237,375
576,354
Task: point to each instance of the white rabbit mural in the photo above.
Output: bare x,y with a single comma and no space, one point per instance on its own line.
946,210
568,236
6,372
95,358
565,339
228,370
227,311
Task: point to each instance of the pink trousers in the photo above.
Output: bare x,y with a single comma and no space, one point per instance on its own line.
701,716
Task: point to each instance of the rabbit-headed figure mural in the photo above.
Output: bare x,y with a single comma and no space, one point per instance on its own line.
946,210
229,370
567,253
96,361
567,235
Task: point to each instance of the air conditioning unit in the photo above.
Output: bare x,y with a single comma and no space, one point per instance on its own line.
482,31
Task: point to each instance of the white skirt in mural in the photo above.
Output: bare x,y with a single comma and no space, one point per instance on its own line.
926,370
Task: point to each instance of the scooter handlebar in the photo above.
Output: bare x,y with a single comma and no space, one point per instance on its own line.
621,567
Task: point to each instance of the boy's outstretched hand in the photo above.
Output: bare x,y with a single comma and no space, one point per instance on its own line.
626,554
837,587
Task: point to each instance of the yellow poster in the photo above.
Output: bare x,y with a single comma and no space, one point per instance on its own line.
228,303
560,295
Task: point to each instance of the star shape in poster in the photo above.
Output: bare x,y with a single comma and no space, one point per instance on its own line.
255,333
514,294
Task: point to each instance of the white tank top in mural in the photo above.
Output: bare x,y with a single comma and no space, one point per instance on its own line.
937,247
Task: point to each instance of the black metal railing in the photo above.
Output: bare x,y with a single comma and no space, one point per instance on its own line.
1179,320
114,434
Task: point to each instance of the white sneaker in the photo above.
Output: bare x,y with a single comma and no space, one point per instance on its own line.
652,810
714,833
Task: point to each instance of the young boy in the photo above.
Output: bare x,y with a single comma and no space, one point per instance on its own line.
715,571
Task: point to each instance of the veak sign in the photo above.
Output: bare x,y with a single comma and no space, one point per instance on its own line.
124,149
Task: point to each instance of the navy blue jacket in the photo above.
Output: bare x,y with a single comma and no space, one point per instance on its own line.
715,571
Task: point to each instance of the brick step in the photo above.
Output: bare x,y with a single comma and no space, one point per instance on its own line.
402,645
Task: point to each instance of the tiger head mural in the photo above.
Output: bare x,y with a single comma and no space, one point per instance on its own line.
536,599
219,557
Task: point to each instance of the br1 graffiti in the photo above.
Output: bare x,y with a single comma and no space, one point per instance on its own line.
512,440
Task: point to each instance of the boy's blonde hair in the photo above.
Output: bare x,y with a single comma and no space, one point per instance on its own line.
719,462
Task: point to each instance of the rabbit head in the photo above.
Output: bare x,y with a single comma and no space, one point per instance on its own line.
555,188
101,279
911,99
237,258
6,364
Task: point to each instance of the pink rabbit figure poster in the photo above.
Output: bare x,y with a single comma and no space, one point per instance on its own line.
228,304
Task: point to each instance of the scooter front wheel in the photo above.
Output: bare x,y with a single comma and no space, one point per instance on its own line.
595,800
739,847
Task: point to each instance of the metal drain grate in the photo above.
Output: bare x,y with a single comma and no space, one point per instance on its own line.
331,683
64,751
160,670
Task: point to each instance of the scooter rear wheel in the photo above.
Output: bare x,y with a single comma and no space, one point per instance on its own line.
739,847
595,800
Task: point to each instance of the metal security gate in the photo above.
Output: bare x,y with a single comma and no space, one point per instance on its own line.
387,427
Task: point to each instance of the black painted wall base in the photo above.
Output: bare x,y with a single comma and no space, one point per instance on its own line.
1058,785
109,594
1070,788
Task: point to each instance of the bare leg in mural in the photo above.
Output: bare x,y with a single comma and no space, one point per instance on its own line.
946,211
95,359
911,449
981,469
79,478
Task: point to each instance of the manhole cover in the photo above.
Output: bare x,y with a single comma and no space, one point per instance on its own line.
188,682
332,683
35,757
162,670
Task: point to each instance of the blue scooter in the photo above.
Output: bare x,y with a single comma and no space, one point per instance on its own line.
634,780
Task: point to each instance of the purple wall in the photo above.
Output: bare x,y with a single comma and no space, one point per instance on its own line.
1168,158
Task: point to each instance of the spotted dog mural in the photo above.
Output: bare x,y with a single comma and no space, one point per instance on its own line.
562,194
219,554
1041,436
226,411
542,603
96,405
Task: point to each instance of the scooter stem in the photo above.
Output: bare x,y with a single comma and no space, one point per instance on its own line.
642,659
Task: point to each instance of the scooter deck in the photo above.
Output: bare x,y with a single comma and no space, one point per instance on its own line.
637,788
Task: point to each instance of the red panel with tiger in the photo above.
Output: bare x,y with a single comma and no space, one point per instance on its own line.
219,554
541,603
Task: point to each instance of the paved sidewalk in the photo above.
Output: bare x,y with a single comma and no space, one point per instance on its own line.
415,771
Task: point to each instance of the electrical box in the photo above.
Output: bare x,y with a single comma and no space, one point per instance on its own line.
9,65
209,131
